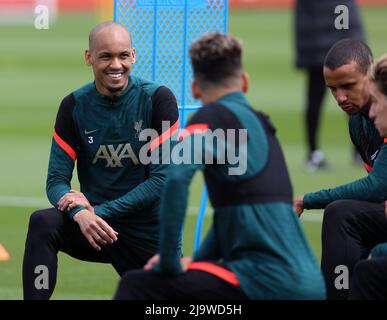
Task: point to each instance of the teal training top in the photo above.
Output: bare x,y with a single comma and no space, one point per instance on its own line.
373,151
102,135
255,232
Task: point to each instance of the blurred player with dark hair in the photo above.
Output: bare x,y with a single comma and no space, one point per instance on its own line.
114,218
315,33
256,247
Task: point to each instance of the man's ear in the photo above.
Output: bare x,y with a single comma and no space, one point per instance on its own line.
133,56
245,82
88,57
196,92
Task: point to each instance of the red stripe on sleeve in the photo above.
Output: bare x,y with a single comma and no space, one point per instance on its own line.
385,140
367,167
164,136
198,128
63,144
215,270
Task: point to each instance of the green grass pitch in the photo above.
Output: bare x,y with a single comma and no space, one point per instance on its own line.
38,68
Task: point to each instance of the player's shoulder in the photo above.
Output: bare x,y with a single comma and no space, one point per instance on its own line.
70,101
157,92
85,90
164,107
208,112
67,104
163,93
146,86
216,116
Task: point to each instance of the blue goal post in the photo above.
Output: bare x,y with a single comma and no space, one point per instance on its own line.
162,31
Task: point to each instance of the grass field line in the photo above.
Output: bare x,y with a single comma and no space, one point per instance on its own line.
30,202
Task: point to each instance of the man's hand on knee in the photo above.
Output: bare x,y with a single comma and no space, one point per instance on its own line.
95,229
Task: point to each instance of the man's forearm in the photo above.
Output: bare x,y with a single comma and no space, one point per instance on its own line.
370,188
142,196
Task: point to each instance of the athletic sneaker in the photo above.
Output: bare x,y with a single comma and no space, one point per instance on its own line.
316,161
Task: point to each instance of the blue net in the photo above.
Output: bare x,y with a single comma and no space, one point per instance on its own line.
162,31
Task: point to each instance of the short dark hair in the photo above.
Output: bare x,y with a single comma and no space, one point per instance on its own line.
347,50
216,59
378,74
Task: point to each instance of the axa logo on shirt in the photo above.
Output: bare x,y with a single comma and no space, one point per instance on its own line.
114,155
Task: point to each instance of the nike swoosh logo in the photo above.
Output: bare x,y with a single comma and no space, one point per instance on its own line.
91,131
374,155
